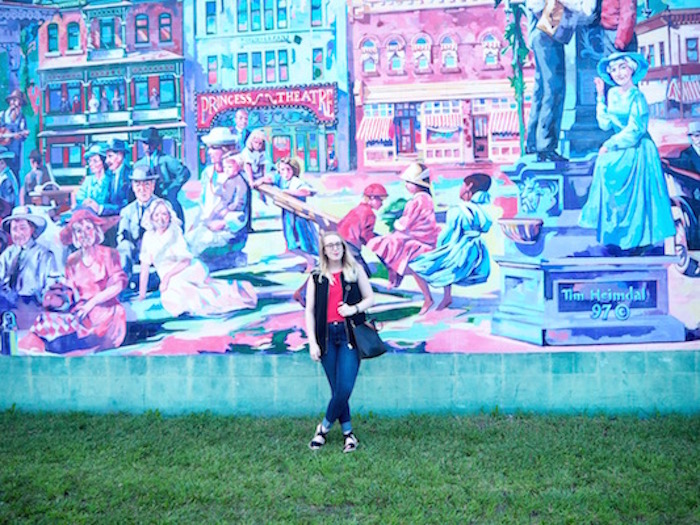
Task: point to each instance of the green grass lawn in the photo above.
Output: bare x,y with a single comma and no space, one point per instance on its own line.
78,468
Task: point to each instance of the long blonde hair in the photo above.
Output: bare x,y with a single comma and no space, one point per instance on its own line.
348,262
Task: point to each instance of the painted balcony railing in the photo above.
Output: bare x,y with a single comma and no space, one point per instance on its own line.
120,118
150,115
56,121
110,117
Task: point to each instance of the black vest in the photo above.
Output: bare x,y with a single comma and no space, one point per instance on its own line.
351,295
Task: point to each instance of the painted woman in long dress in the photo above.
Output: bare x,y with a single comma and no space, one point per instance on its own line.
91,318
628,202
415,232
461,256
185,284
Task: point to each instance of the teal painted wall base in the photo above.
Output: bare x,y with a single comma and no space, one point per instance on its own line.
395,384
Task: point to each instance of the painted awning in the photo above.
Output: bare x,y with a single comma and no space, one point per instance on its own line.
502,122
447,120
691,91
375,128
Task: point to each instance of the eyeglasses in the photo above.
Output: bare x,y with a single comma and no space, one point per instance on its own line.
334,246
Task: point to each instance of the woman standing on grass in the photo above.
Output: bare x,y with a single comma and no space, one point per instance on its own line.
338,292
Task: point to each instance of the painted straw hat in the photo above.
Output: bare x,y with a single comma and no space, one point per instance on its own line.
25,212
417,174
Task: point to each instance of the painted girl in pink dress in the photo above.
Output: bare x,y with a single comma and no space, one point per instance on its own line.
185,284
90,318
415,232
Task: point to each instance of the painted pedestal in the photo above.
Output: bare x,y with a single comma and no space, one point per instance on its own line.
555,290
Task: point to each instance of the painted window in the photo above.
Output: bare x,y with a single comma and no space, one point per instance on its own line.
316,13
379,110
71,153
652,56
165,28
257,68
284,65
281,14
317,55
210,18
212,70
242,68
369,56
395,54
255,15
141,92
55,93
421,49
448,52
491,48
107,33
281,147
52,34
73,30
270,66
691,49
662,54
167,91
269,14
141,29
242,15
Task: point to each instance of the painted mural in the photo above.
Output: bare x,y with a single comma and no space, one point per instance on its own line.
511,175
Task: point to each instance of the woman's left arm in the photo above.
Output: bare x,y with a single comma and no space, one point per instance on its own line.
635,129
366,291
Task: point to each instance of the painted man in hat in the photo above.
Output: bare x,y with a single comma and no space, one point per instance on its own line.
37,176
171,172
357,227
97,190
14,128
9,190
689,158
27,268
130,231
121,170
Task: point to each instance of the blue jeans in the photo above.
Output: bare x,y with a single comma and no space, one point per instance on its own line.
548,95
341,364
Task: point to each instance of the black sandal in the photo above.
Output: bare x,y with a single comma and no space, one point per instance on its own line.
351,442
319,438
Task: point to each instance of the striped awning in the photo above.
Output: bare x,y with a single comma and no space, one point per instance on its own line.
505,122
446,120
375,128
691,91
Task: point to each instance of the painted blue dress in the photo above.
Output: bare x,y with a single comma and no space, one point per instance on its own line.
628,202
461,256
299,233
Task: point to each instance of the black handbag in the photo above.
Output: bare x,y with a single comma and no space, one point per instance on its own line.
367,340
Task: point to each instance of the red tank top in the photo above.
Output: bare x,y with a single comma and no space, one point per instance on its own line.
335,297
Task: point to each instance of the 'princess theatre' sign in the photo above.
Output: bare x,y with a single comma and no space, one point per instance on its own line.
321,100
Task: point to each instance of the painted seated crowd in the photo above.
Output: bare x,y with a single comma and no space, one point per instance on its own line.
127,237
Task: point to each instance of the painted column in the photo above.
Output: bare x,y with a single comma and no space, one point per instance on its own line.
322,149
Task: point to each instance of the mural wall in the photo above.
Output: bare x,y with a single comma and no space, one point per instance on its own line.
512,175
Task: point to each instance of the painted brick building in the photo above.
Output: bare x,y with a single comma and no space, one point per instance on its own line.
109,70
431,83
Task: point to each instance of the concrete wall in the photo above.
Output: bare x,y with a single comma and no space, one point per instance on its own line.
395,384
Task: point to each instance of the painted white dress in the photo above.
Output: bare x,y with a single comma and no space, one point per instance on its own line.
191,290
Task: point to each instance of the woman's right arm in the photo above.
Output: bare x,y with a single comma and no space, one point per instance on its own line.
314,349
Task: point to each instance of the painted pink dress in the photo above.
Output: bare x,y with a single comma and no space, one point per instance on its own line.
416,232
105,325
